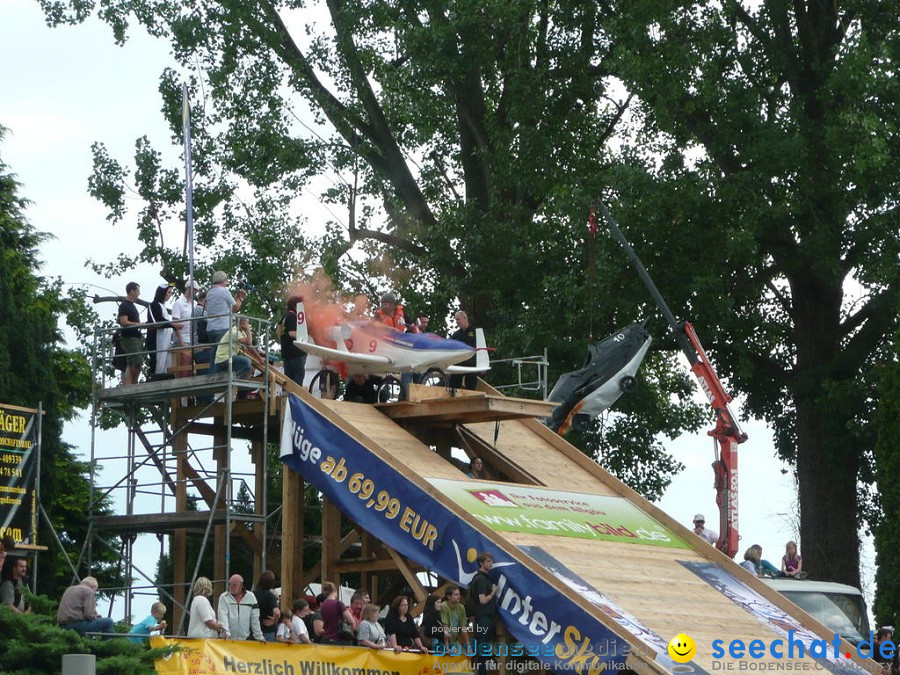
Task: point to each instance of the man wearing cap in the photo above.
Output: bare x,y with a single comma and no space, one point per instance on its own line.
708,535
184,309
219,305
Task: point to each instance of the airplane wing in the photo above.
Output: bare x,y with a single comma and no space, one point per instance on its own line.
482,362
341,354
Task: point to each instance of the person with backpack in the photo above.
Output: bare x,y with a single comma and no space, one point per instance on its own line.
483,592
294,358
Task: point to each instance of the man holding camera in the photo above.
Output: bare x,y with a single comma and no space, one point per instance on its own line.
219,306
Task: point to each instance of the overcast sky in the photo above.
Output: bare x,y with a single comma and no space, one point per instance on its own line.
66,88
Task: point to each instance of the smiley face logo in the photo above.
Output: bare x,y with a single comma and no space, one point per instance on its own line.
682,648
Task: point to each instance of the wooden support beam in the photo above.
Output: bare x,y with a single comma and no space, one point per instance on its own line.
315,572
367,565
210,429
291,533
410,576
220,545
331,541
179,537
258,458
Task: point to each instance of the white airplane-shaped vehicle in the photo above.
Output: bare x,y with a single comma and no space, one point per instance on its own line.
372,348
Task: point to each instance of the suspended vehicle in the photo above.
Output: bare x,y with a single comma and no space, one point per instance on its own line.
609,372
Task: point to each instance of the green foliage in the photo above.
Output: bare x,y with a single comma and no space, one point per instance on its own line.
887,469
33,644
760,178
453,137
35,368
755,170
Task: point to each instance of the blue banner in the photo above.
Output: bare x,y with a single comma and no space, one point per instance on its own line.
548,625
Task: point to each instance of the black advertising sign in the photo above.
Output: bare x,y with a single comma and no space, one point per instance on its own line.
18,470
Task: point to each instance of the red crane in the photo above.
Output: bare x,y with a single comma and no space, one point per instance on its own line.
727,432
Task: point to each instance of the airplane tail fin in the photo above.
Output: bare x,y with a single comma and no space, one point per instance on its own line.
302,326
482,360
338,336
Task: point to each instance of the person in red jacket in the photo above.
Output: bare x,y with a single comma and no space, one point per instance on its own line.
390,313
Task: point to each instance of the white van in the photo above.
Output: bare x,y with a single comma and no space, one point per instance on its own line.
841,608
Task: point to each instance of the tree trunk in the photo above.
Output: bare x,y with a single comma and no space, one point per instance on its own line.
827,459
828,497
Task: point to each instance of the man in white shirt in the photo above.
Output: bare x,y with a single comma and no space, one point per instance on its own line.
707,535
184,309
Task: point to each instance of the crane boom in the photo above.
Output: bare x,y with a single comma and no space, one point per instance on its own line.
727,432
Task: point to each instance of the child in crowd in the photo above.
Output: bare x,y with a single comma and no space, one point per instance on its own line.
153,624
284,632
298,623
792,562
371,634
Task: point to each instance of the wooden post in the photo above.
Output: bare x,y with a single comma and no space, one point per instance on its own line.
221,456
291,533
258,457
179,537
331,541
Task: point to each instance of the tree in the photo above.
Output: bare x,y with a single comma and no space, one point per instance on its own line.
34,367
459,134
884,519
765,151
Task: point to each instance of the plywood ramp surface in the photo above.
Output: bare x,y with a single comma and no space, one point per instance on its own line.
399,443
650,583
519,445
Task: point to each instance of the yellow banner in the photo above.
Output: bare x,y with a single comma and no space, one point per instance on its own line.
226,657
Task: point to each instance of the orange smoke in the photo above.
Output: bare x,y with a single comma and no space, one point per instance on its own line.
325,307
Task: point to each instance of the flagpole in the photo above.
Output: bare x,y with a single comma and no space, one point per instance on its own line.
188,178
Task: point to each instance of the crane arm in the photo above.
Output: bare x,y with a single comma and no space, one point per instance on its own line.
727,432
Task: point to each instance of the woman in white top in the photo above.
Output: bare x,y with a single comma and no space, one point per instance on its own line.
370,633
203,619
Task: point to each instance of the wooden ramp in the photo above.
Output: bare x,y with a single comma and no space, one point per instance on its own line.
644,593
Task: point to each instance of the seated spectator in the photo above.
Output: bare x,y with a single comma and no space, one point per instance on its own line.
371,633
230,348
391,313
7,544
203,622
362,389
753,562
152,625
402,632
703,532
476,468
12,590
791,562
78,610
434,633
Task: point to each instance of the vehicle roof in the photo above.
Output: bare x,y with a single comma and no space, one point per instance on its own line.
806,586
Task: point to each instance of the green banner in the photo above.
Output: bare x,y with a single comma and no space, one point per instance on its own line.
523,508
